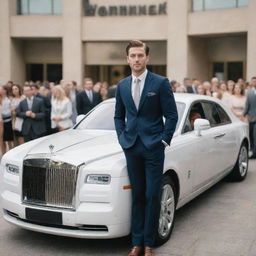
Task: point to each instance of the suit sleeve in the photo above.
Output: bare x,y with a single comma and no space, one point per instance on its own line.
41,112
20,112
79,104
119,117
169,110
247,105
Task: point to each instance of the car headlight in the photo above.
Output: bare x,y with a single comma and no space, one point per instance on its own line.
98,179
13,169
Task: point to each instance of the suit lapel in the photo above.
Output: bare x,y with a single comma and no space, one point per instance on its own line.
86,97
146,89
26,104
33,104
129,92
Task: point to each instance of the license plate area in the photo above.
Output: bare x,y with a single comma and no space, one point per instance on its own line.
44,217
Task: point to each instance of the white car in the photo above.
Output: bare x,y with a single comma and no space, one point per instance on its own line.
74,183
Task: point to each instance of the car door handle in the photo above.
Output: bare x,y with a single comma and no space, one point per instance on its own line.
219,136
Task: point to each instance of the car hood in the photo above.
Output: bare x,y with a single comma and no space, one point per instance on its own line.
77,146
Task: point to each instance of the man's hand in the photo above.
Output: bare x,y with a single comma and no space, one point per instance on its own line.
28,113
57,119
33,115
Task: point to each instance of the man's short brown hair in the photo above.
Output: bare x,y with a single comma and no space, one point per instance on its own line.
86,79
137,43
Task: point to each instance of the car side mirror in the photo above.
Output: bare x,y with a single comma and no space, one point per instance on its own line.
200,125
79,118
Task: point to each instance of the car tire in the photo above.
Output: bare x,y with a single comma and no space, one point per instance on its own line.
240,169
167,212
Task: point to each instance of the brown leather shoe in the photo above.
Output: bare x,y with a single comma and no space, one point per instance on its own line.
136,251
148,251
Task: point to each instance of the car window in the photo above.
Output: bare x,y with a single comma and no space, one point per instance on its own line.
224,118
196,111
102,117
211,113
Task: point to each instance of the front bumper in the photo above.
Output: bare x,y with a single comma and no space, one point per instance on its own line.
89,220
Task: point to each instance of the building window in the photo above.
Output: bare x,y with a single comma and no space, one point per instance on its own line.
205,5
26,7
44,72
232,70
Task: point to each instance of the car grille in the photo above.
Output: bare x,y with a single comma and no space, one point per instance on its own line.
49,183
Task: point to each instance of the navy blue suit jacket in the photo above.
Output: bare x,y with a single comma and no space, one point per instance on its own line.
147,122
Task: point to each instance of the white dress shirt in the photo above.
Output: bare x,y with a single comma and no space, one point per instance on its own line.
30,102
89,94
142,79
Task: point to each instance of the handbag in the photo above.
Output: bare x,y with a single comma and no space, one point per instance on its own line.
18,124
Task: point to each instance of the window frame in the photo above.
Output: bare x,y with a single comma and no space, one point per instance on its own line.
19,9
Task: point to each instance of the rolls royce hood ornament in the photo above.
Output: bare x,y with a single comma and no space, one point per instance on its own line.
51,147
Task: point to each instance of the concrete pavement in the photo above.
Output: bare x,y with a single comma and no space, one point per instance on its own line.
220,222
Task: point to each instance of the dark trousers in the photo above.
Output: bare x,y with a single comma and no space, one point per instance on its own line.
31,136
252,132
145,170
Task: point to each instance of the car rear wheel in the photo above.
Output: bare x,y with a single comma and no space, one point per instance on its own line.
240,169
167,212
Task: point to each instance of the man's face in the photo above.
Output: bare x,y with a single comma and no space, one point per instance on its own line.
137,59
187,82
34,90
253,83
88,85
27,91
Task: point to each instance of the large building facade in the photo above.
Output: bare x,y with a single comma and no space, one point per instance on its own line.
55,39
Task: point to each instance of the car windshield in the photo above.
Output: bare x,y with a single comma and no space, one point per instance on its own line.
102,117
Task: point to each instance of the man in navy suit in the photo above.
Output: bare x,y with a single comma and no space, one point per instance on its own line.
142,100
31,109
87,99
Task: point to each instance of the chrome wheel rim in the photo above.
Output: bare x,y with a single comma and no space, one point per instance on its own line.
167,211
243,161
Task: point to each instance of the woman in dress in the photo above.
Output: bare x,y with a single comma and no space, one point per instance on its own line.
237,102
7,119
61,110
16,121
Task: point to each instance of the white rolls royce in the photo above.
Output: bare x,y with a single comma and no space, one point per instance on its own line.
74,183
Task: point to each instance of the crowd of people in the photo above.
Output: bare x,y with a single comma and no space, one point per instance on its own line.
231,93
35,109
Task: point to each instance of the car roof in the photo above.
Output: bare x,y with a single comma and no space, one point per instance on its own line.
185,98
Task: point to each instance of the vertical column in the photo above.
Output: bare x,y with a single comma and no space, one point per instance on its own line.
251,41
177,42
5,42
72,57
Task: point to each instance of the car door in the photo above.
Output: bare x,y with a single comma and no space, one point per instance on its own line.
201,148
219,150
228,141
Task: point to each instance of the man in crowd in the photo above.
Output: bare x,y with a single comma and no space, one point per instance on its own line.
143,137
31,109
188,85
47,107
250,111
87,99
